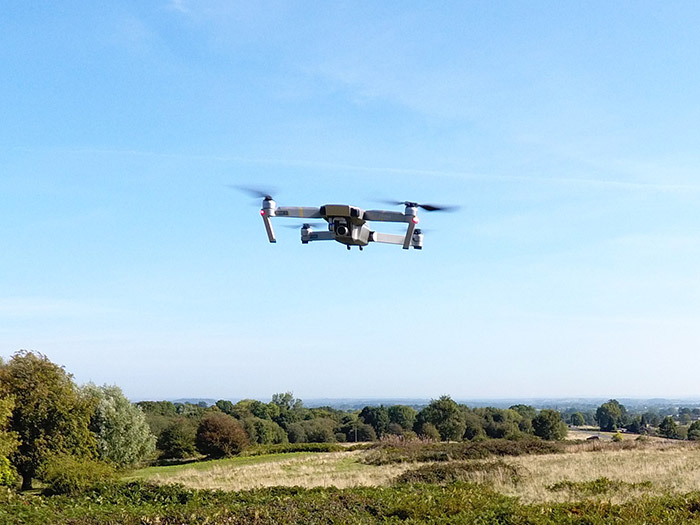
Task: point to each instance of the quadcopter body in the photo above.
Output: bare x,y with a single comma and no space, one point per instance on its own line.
349,225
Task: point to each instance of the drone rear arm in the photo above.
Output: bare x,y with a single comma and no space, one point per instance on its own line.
303,212
385,216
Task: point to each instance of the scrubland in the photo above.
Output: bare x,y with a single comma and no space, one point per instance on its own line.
493,481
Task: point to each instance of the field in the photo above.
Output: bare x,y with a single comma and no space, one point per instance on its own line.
631,469
494,481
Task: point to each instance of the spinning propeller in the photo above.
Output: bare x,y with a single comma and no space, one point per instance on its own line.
253,192
426,207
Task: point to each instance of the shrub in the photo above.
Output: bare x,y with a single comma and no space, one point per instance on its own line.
287,448
442,473
177,440
71,475
616,437
8,476
220,435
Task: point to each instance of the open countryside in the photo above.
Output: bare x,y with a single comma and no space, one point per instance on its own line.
273,462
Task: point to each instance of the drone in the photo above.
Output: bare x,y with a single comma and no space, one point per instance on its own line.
348,225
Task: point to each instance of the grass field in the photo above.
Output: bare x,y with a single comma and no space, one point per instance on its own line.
614,472
495,481
302,469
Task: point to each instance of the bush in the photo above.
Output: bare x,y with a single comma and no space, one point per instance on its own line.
177,440
262,450
8,476
398,451
469,471
71,475
220,435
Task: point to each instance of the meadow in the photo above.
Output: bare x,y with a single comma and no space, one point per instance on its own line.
395,481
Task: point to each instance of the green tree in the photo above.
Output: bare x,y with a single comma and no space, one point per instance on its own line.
286,409
577,419
225,406
473,427
264,431
549,425
220,435
402,415
694,431
668,428
526,411
8,441
378,417
177,439
445,415
610,415
50,415
123,436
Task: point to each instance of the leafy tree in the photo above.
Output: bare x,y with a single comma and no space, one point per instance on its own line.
498,423
123,436
288,409
526,411
286,401
445,415
356,431
378,417
668,428
577,419
178,439
296,433
651,418
548,425
694,431
8,442
246,408
190,410
225,406
220,435
50,414
160,408
428,431
473,427
320,430
402,415
610,415
264,431
635,425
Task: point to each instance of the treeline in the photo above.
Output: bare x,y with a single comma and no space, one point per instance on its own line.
285,419
671,422
53,429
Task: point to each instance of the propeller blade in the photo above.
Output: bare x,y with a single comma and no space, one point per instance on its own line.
313,225
426,207
433,207
253,192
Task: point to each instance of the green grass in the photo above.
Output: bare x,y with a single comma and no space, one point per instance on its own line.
238,461
456,503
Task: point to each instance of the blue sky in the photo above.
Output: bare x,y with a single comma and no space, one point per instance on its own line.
568,132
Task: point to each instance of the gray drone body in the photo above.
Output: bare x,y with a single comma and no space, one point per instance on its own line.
347,224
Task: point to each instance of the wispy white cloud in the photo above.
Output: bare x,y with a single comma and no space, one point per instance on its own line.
401,171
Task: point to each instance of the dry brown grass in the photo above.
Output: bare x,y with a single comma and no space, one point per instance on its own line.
338,469
648,468
663,466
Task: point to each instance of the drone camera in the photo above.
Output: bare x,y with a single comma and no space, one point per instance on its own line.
340,227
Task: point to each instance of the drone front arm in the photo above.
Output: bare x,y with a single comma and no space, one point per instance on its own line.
303,212
386,238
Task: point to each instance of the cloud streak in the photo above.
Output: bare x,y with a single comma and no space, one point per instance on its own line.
400,171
